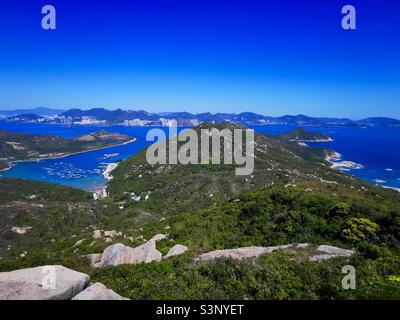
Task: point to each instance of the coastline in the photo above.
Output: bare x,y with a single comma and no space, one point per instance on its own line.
11,163
6,169
316,140
392,188
334,158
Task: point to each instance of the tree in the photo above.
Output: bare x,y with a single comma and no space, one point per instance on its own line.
358,229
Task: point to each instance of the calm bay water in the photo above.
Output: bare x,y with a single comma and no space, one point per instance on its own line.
82,170
377,149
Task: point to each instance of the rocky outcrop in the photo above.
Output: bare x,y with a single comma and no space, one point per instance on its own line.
118,254
176,250
322,252
239,253
98,291
42,283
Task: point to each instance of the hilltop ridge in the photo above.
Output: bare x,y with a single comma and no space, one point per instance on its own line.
192,187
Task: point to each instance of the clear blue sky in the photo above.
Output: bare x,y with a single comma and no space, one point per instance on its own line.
271,57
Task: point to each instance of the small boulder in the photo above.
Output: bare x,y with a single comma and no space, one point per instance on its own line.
20,230
94,258
159,237
111,233
98,291
176,250
96,234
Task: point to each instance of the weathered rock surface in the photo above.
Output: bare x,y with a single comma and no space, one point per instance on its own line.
330,252
176,250
118,254
20,230
112,233
98,291
159,237
42,283
94,258
96,234
239,253
323,252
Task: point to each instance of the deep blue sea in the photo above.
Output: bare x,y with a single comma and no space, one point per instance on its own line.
377,149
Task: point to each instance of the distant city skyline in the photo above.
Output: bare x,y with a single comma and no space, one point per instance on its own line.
268,57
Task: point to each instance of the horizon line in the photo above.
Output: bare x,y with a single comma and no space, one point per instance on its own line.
184,111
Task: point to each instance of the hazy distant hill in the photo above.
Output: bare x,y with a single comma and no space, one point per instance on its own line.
380,121
42,111
246,118
117,115
28,117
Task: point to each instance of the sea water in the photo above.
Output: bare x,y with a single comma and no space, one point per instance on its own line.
377,149
82,170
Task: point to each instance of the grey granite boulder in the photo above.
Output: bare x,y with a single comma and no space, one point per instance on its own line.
118,254
98,291
176,250
42,283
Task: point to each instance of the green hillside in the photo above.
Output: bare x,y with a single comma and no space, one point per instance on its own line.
292,197
177,188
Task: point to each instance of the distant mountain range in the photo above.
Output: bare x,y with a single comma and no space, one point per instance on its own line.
246,118
42,111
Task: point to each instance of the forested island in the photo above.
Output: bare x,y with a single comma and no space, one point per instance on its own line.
22,147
